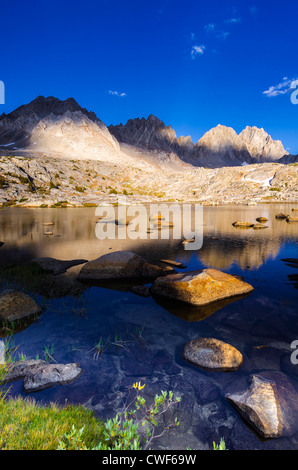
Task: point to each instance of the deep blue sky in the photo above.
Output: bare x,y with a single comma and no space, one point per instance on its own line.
192,63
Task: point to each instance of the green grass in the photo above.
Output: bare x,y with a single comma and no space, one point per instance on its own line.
26,425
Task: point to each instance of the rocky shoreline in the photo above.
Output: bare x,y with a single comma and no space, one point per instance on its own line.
43,182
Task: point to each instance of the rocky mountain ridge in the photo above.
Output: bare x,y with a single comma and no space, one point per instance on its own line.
220,146
55,127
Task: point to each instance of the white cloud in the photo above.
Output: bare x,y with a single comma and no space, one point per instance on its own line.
281,88
117,93
233,20
197,50
223,35
210,27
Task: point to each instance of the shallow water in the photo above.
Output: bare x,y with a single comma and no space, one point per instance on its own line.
143,338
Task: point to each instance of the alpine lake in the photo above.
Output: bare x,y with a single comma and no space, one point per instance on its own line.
142,338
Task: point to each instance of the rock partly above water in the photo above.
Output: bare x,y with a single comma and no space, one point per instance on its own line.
49,375
200,287
269,404
56,266
39,375
16,306
176,264
242,224
212,354
121,265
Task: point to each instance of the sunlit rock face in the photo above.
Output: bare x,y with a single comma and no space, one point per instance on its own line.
261,146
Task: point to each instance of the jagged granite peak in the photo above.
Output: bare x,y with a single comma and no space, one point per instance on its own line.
51,125
150,133
186,141
42,107
260,144
220,146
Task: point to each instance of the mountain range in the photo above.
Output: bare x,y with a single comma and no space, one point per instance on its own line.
54,127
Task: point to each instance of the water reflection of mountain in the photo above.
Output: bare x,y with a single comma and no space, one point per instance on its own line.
25,237
223,252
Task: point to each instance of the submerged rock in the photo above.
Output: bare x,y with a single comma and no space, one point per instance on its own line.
212,354
121,265
16,306
56,266
200,287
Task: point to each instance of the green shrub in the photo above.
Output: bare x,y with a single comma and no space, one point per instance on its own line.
3,182
123,431
52,185
23,179
80,189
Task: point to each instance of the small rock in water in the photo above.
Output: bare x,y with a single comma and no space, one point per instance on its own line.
200,287
281,215
39,375
18,370
45,376
143,291
212,354
56,266
188,240
173,263
260,407
242,224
